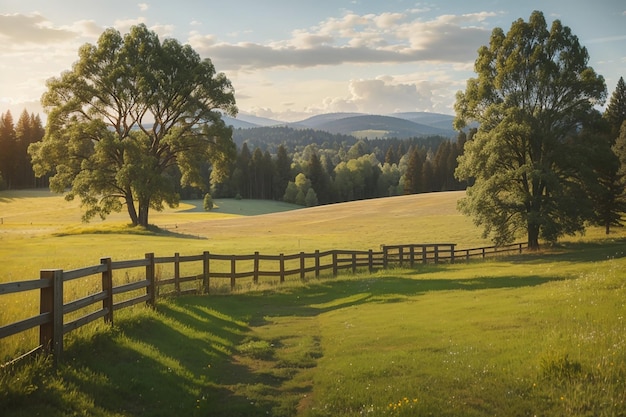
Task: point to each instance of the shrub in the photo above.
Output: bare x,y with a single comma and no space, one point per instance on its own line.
208,202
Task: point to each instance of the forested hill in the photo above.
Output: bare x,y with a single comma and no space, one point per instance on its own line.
270,138
361,125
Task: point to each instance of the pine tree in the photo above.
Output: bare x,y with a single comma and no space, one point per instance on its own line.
283,172
7,149
413,175
615,112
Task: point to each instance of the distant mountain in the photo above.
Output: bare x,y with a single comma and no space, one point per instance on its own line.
248,121
424,117
376,126
316,122
362,125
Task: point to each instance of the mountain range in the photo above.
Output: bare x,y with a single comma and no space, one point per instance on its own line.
361,125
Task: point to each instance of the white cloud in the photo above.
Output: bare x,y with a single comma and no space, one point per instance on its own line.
360,39
124,25
163,30
19,29
383,95
143,6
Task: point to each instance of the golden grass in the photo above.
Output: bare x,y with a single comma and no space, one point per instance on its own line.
41,230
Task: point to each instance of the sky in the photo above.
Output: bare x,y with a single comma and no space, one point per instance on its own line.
289,60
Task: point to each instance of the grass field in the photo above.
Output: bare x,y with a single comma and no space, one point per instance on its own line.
41,230
540,334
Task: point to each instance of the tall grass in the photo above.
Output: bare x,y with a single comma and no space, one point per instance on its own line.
518,336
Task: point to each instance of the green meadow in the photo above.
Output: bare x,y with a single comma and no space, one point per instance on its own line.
540,334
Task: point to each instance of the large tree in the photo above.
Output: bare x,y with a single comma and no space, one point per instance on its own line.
130,112
533,92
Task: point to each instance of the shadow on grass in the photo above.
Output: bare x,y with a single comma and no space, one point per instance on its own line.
316,299
176,362
182,359
128,229
595,251
242,207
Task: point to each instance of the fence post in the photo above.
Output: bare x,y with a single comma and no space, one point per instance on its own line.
483,253
151,277
282,267
370,260
424,255
436,254
385,261
335,264
520,248
233,271
401,255
205,272
255,278
317,263
51,301
353,262
177,273
412,255
107,287
302,265
452,253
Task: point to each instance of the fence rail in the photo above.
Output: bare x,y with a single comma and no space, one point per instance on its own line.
57,317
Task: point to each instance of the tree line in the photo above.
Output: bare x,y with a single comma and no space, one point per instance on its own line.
15,167
312,167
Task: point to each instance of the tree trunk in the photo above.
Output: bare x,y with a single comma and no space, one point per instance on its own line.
132,212
143,213
533,237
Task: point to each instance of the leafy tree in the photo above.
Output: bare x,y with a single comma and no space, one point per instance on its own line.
208,202
344,183
130,110
291,193
388,180
310,199
615,112
533,91
297,190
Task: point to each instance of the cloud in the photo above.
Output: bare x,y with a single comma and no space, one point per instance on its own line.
358,39
19,29
383,95
124,25
143,6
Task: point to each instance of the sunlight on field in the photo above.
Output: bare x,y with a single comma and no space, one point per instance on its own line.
538,335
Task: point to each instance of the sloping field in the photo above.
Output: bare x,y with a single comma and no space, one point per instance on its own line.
420,218
41,230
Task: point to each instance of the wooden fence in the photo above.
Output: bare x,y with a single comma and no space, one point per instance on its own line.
58,317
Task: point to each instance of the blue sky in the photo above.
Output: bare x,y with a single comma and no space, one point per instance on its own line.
289,60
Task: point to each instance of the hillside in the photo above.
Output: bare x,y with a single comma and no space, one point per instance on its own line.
361,125
373,126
